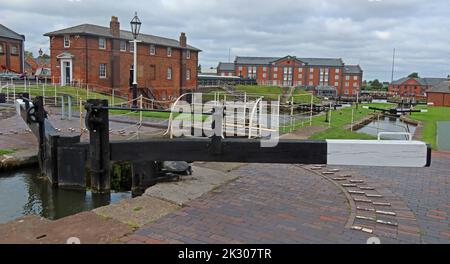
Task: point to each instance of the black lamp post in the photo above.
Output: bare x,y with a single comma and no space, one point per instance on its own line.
135,27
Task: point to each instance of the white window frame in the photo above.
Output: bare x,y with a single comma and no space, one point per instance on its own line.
104,43
100,71
132,47
14,50
188,54
169,52
347,78
169,73
66,41
122,42
2,50
336,84
152,49
355,78
188,74
337,70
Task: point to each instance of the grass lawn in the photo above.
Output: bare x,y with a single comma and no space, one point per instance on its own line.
6,151
160,115
79,93
429,121
340,119
272,93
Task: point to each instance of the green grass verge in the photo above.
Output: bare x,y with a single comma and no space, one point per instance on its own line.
6,151
77,93
340,120
429,121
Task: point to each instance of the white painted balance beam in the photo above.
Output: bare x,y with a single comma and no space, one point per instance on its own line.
389,153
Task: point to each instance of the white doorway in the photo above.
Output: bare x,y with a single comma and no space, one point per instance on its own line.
66,72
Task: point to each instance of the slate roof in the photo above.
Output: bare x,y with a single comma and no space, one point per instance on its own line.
442,87
225,66
255,60
94,30
8,33
421,81
352,69
309,61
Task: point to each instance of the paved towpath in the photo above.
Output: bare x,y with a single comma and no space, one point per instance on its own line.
274,203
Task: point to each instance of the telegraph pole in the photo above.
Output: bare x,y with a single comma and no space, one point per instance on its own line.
393,66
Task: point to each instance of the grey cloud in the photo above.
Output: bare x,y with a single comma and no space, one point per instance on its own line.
359,31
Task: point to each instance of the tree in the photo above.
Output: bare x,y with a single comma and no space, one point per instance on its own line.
414,75
376,85
28,54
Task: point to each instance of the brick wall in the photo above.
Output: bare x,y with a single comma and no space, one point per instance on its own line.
303,75
151,70
439,99
408,88
10,61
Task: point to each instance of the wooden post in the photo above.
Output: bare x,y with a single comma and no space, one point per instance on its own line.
140,115
351,125
292,113
81,117
99,152
56,99
329,118
311,113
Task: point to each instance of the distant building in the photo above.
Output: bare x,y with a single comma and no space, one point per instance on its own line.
413,87
11,50
103,57
321,75
439,94
39,67
226,69
209,71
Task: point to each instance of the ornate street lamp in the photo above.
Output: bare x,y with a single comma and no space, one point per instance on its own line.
135,28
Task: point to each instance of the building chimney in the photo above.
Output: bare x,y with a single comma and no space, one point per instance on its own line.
183,40
114,27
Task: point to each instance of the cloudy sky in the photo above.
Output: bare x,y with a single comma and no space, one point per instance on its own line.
359,31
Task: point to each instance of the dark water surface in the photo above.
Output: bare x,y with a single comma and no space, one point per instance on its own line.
23,193
387,124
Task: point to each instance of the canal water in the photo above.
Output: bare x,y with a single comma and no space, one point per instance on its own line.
24,193
387,124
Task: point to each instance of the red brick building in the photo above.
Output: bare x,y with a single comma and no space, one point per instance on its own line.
11,50
321,75
439,94
103,57
413,87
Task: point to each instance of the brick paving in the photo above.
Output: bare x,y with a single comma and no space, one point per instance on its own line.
267,204
274,203
425,191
